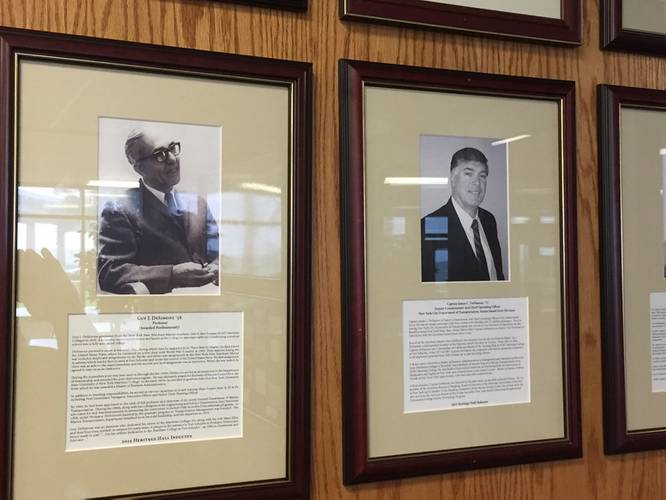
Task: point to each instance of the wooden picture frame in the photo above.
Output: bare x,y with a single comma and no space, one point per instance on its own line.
631,395
293,5
91,80
639,34
564,28
375,146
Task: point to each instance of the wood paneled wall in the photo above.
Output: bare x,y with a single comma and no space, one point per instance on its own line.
320,37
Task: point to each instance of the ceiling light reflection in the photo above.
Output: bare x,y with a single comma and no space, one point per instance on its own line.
51,343
510,139
113,184
416,181
255,186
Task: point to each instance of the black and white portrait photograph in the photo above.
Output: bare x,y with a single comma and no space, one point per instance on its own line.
159,208
464,209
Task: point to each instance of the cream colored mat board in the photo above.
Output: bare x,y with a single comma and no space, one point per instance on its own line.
644,15
394,121
60,105
642,139
543,8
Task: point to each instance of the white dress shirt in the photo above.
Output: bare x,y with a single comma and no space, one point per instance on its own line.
466,222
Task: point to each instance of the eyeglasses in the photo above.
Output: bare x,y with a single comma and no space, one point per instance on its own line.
161,154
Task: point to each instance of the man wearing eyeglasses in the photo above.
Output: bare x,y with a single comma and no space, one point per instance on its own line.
155,238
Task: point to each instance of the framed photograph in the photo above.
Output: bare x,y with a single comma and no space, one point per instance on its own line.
634,25
460,331
550,21
632,161
156,256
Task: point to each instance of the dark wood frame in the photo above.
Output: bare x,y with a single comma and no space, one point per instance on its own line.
429,14
297,5
358,467
97,52
614,36
617,439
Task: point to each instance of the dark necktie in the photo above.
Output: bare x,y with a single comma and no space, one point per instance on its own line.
481,257
170,201
172,207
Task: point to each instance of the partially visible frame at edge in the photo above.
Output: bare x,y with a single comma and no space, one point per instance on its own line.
15,44
429,14
615,37
617,437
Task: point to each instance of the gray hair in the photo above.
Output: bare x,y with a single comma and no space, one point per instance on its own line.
131,145
466,155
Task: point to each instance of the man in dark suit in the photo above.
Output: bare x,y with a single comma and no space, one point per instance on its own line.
155,239
459,240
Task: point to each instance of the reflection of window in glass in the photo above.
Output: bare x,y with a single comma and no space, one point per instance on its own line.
264,207
90,202
251,233
523,261
266,243
394,226
213,201
54,218
436,238
436,228
442,264
72,249
46,236
54,201
89,241
232,246
21,236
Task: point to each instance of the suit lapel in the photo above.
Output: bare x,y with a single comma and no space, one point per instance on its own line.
157,215
457,233
189,222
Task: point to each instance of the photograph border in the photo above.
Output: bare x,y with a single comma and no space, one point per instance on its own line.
128,167
428,14
615,37
358,466
505,241
617,438
18,44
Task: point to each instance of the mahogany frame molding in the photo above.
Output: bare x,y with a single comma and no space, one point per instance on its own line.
358,466
615,37
430,14
295,5
18,44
